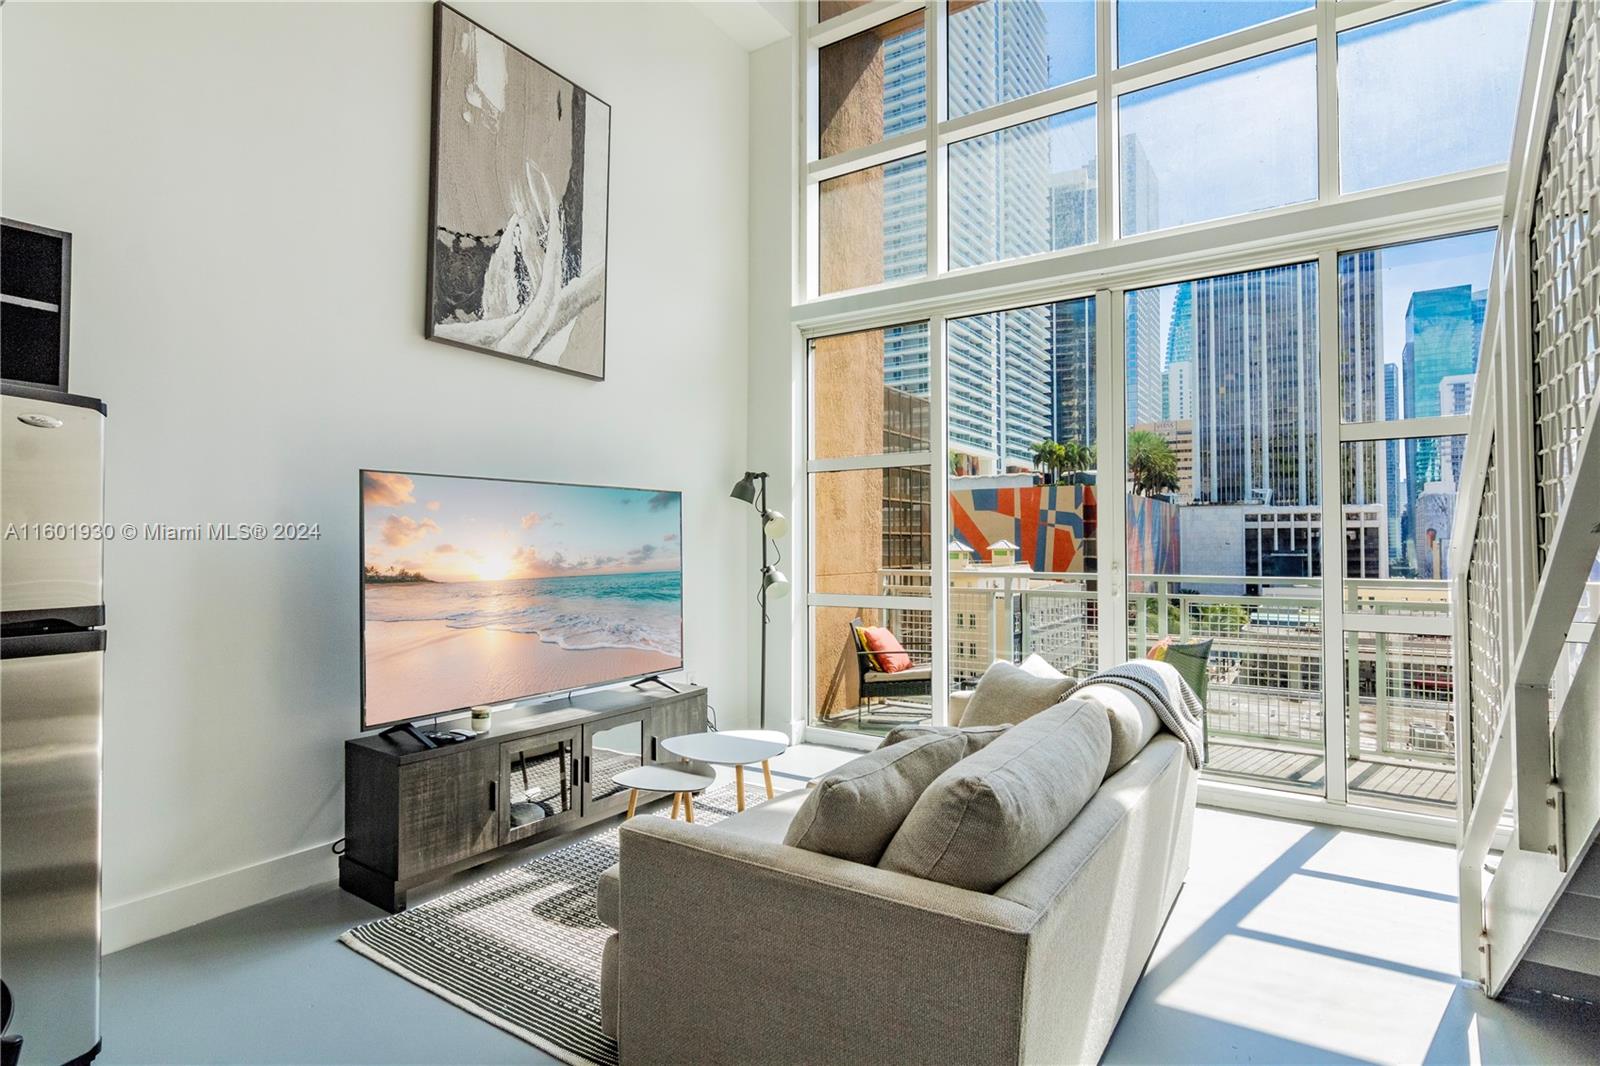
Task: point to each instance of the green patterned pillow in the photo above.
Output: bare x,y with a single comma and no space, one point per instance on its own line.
1188,658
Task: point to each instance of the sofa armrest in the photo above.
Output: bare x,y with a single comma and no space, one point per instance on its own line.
732,949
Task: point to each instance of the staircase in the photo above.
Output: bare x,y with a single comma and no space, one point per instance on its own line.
1564,958
1526,553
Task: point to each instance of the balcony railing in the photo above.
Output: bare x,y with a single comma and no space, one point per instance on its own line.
1265,673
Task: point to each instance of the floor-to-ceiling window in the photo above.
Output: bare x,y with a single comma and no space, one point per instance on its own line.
1186,301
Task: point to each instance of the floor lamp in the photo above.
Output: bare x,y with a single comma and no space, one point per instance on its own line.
752,489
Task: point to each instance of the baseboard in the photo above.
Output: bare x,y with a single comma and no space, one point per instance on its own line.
841,738
126,924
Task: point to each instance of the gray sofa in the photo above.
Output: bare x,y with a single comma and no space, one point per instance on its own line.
733,947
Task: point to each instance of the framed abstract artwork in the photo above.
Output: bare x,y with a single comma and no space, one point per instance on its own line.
517,204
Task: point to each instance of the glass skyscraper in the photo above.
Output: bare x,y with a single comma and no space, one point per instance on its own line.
1444,328
1019,376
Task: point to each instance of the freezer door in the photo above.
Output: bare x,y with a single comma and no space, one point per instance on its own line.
52,455
50,689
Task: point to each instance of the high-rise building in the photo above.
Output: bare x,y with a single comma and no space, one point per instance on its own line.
1143,352
1394,499
1016,377
1072,353
1142,310
1177,383
1444,328
1256,387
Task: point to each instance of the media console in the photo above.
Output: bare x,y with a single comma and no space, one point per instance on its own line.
414,814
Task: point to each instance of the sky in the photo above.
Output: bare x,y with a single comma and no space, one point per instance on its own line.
1432,92
471,529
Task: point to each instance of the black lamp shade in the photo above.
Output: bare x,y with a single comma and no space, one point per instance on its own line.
746,489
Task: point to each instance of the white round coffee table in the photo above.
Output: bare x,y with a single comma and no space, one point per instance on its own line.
681,780
736,749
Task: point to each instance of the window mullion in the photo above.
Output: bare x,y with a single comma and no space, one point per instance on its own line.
937,165
1327,101
1107,186
1331,487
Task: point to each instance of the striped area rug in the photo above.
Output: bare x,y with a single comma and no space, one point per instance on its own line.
521,949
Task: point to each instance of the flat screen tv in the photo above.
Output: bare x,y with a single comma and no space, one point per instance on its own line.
482,590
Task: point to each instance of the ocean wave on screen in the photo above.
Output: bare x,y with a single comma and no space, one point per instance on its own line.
576,614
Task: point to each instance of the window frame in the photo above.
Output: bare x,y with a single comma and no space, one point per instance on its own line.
1333,225
1320,24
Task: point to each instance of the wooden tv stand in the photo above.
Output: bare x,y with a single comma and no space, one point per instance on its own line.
413,815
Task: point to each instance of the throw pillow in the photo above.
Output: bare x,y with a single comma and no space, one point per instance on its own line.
853,812
1133,721
976,737
1010,694
888,655
989,815
1188,658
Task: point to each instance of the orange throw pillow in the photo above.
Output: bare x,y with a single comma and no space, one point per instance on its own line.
887,652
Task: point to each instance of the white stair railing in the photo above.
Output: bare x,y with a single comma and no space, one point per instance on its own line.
1528,525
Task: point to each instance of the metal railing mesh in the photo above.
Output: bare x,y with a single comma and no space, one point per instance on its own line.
1485,654
1565,257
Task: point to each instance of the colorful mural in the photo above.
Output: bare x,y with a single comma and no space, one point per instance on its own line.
1052,524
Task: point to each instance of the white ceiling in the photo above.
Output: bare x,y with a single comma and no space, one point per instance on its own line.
752,23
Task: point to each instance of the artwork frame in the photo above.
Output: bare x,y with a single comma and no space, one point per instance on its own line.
537,294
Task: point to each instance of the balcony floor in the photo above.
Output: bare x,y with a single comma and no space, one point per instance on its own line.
1377,783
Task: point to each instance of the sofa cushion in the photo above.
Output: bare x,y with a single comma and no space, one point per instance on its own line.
977,737
766,822
853,812
1133,721
987,817
1008,693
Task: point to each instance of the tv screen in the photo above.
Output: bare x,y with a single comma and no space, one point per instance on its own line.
479,590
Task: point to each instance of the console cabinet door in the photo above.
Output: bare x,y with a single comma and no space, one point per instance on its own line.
539,780
448,809
610,747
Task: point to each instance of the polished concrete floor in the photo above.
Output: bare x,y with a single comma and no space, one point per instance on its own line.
1290,943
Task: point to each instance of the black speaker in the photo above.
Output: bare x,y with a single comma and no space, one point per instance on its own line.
35,279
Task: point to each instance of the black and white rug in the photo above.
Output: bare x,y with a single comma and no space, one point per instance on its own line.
521,949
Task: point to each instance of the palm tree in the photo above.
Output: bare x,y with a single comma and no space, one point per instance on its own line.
1152,467
1043,455
1076,457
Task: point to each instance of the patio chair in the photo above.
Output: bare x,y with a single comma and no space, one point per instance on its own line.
914,681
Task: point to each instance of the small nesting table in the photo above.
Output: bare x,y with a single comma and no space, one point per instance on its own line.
681,780
735,749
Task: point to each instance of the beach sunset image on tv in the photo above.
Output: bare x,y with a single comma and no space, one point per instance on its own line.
480,591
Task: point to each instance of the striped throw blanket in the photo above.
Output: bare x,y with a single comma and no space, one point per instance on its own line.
1174,701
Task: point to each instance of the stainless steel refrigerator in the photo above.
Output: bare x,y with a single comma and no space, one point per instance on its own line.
52,643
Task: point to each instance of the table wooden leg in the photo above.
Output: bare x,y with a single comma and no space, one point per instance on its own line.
633,801
738,784
688,806
766,773
677,798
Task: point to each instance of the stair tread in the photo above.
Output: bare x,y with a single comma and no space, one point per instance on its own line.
1565,951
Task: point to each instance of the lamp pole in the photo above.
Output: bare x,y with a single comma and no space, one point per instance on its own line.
752,489
762,507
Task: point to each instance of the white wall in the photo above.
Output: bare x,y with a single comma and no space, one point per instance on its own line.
247,189
777,384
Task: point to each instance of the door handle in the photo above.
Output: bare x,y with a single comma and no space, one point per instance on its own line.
40,421
493,785
586,769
